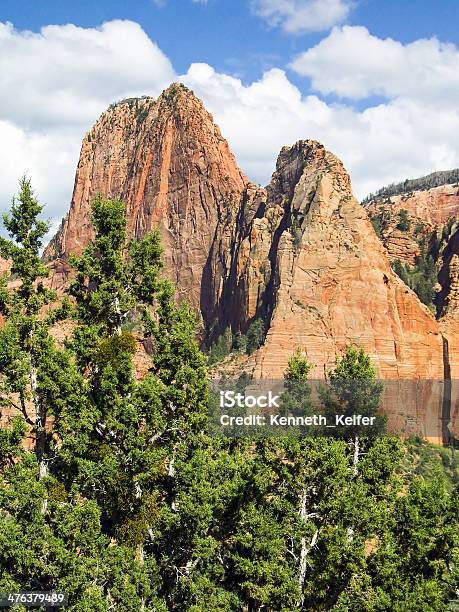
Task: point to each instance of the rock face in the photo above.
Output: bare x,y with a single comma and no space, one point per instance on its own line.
301,255
169,163
328,281
427,210
448,277
401,245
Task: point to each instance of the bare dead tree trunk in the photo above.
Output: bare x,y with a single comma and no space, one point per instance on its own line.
118,316
355,459
40,429
355,472
305,548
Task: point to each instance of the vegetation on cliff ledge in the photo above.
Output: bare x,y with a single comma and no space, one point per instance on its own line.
422,276
435,179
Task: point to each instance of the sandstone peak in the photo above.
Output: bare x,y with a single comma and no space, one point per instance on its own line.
167,160
302,166
177,95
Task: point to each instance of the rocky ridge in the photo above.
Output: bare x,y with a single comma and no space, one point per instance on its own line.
426,210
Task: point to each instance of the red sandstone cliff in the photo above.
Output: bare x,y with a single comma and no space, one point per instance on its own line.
169,163
433,206
427,209
300,254
329,281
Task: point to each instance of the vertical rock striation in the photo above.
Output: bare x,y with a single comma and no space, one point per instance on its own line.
329,282
167,160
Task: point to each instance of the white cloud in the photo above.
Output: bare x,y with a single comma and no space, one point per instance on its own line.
352,63
68,74
297,16
393,141
53,86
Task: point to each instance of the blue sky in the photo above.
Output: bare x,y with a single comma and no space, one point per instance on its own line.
226,34
377,81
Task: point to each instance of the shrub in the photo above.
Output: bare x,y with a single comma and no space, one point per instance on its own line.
240,343
421,277
404,222
222,347
255,335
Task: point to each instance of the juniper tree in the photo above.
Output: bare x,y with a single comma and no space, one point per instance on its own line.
129,449
24,338
291,546
36,378
51,538
107,446
144,510
355,390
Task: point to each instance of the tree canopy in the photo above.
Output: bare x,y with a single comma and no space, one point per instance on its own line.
113,491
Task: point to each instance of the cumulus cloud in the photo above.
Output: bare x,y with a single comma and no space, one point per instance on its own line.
352,63
402,138
298,16
55,83
53,86
68,73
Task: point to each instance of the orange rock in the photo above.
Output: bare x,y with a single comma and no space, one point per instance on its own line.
301,254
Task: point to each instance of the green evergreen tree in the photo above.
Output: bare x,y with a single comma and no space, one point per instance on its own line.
240,343
34,373
404,222
255,335
130,505
132,449
51,535
422,276
222,347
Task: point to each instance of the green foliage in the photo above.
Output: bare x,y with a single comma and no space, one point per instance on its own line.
296,232
139,509
425,286
296,399
422,277
36,377
255,335
377,224
240,342
222,347
51,533
381,221
354,389
431,462
404,222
